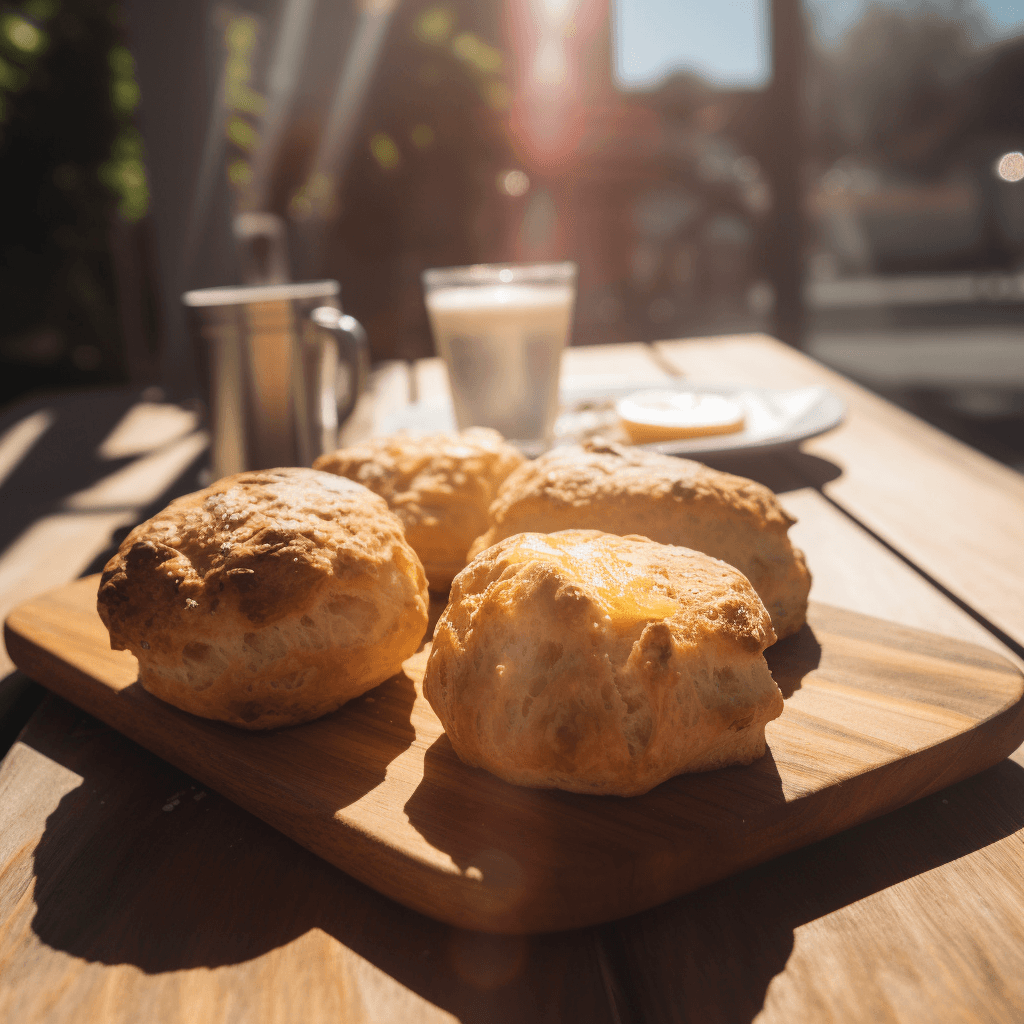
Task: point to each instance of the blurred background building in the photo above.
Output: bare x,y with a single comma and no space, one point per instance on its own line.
846,175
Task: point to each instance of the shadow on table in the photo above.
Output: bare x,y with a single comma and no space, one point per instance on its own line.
134,864
785,470
19,697
523,835
711,956
793,658
123,880
65,459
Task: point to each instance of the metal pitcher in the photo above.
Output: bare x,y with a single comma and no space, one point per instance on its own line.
281,368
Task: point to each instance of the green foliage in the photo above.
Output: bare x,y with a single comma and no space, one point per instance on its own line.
124,173
241,36
434,25
22,35
71,160
385,151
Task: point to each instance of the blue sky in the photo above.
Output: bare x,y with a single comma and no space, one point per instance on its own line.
726,41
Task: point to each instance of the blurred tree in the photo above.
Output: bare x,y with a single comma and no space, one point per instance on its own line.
70,168
888,77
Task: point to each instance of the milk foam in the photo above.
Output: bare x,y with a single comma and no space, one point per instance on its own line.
500,297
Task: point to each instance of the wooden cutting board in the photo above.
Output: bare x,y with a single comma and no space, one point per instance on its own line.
876,716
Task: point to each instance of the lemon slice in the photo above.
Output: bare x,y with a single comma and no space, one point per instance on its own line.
670,415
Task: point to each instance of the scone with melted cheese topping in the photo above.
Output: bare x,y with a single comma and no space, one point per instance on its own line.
601,664
624,490
267,599
439,486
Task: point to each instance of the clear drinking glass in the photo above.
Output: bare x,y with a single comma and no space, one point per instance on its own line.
501,328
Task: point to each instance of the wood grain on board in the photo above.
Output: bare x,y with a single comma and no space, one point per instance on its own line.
877,715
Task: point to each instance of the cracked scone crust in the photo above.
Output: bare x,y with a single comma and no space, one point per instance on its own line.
625,490
601,664
439,486
267,599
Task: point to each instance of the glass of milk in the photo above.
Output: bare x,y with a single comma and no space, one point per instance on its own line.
501,328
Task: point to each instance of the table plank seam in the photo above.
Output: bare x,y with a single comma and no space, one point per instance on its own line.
1004,638
663,362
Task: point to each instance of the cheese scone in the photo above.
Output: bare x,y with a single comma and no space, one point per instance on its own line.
267,599
624,490
601,664
439,486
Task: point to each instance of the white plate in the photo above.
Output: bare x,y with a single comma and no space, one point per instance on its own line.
774,418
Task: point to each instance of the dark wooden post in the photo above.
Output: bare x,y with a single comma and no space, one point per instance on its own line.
784,159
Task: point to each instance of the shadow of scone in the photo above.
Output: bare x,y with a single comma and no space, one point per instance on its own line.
440,486
625,490
601,664
267,599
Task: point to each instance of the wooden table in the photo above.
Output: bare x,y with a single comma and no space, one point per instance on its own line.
128,893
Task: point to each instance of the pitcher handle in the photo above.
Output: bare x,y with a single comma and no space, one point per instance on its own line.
353,351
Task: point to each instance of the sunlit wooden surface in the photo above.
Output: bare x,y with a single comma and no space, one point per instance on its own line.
130,893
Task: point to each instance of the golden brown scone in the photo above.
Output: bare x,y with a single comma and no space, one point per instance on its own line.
601,664
624,490
267,599
439,486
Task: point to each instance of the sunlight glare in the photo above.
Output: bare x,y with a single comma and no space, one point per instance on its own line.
1010,166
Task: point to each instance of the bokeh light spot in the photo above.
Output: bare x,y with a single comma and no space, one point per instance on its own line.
422,136
242,134
317,198
125,95
434,25
124,174
122,63
301,206
1010,166
384,151
513,183
240,35
240,173
23,34
474,51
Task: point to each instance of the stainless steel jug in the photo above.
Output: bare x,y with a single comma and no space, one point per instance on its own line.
281,368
